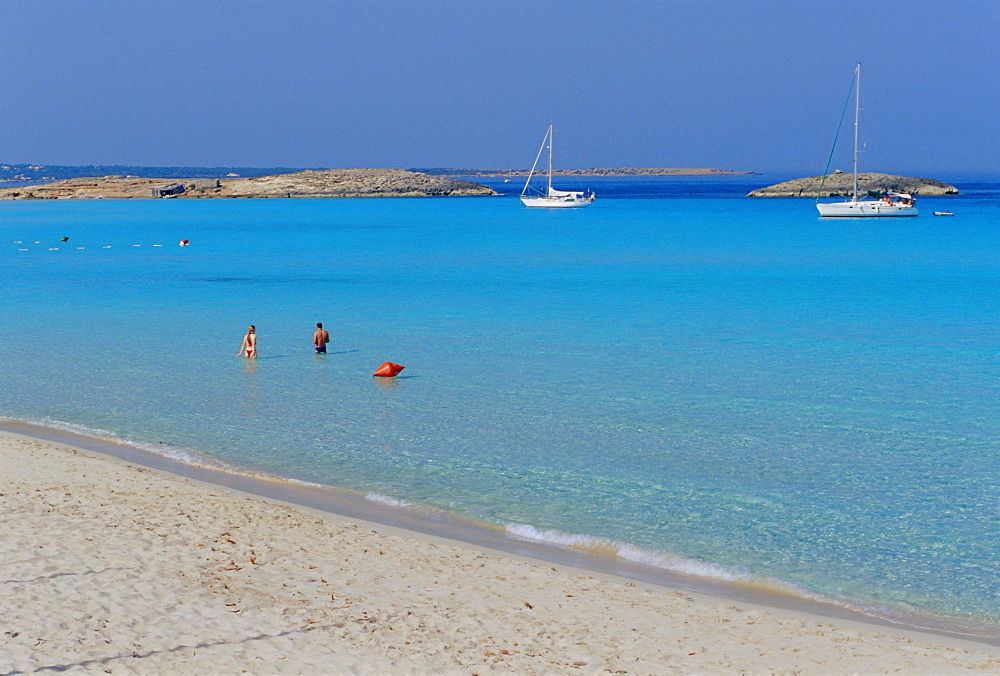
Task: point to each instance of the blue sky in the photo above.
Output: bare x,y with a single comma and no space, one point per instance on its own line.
462,83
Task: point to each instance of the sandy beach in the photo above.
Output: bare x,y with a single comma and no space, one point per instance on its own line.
115,568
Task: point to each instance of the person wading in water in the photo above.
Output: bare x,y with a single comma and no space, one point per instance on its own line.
249,348
320,338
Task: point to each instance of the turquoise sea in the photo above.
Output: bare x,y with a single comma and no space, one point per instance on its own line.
680,375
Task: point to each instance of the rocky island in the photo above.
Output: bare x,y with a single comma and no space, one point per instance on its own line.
840,184
326,183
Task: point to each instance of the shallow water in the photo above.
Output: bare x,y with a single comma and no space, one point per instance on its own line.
723,385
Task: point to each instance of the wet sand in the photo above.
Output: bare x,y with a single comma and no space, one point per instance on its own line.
111,565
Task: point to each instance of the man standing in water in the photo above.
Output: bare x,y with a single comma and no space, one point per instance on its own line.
249,348
320,338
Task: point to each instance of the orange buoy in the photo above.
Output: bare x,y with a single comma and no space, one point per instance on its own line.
388,370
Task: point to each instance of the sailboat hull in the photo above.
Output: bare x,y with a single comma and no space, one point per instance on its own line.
865,209
554,202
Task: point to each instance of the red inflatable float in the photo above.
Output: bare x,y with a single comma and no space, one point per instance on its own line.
388,370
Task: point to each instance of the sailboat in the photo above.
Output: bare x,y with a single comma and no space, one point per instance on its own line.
889,204
551,197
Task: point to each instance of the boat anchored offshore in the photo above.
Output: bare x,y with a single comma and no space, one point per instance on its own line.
887,204
552,198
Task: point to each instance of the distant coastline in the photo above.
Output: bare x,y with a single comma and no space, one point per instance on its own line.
24,173
40,173
34,182
593,171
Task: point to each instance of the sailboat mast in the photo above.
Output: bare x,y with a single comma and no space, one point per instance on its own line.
857,107
550,161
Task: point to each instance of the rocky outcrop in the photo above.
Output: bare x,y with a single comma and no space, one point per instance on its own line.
354,183
329,183
839,184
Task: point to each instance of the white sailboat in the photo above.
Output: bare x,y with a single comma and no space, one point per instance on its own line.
889,204
552,198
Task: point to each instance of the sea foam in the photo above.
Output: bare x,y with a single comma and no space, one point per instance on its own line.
627,552
386,500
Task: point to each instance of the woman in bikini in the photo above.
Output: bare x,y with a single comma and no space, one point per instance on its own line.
249,348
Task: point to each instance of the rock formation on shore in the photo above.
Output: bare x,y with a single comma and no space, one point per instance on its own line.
840,184
329,183
354,183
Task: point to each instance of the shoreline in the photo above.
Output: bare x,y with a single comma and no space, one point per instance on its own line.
109,565
452,530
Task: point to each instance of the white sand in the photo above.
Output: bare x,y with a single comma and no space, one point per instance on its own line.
107,567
